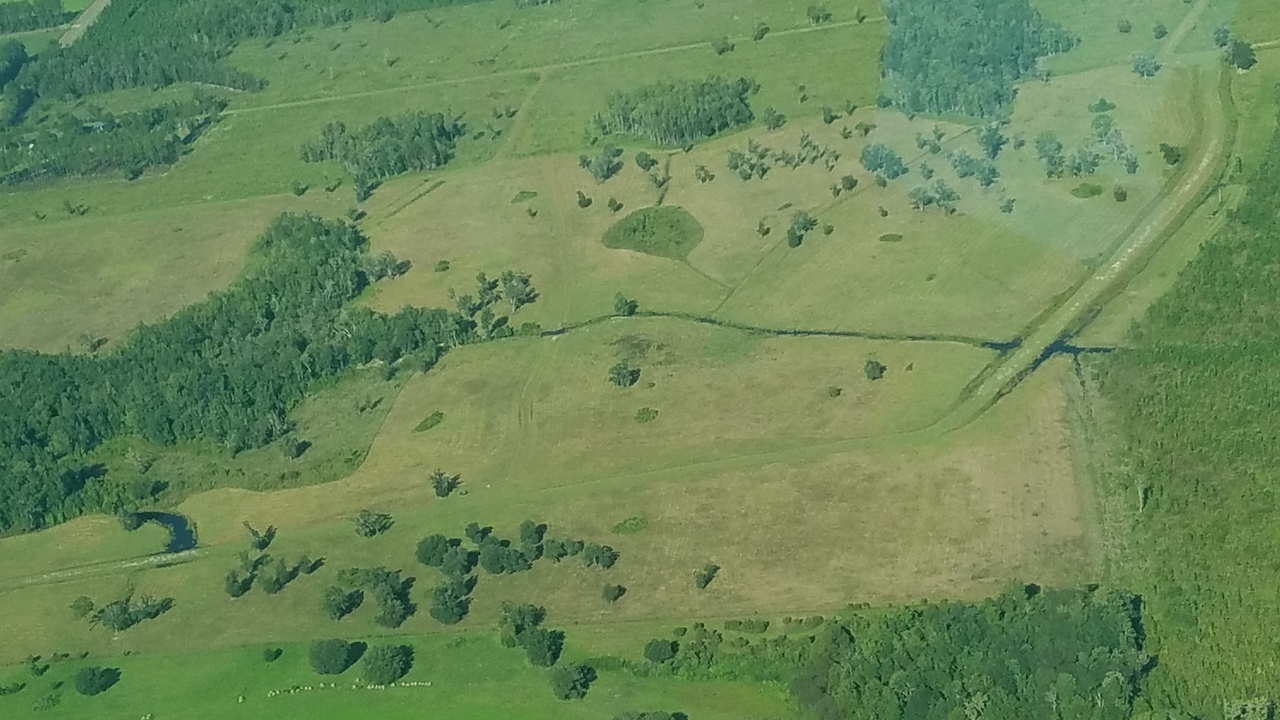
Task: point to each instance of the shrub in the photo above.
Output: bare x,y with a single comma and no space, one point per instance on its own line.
272,654
81,606
571,682
441,266
1102,105
368,524
94,680
660,651
1172,154
624,306
599,555
633,524
645,161
646,415
1085,191
703,576
1120,194
891,237
612,593
384,664
873,369
722,45
429,421
623,375
334,656
584,202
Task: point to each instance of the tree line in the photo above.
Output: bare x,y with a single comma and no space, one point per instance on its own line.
678,112
102,142
227,370
387,147
23,15
932,68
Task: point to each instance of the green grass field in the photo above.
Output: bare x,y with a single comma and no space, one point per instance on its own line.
773,456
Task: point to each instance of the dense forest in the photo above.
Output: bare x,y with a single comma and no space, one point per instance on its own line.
1027,653
679,112
1072,655
932,67
101,142
21,15
153,43
1197,404
226,370
387,147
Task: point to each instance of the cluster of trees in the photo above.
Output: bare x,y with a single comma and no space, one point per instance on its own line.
333,656
880,160
387,147
605,164
371,524
679,112
756,161
92,680
1106,143
496,556
120,615
100,142
1237,52
270,577
931,68
521,626
227,370
145,43
938,193
388,589
23,15
1024,654
1191,395
513,286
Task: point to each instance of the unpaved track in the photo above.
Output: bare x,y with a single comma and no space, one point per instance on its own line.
102,568
1114,273
82,23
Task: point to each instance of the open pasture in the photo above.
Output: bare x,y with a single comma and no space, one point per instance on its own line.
128,268
874,520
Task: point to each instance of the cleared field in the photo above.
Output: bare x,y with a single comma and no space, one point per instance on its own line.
128,269
492,38
1257,21
859,520
472,678
79,542
1097,24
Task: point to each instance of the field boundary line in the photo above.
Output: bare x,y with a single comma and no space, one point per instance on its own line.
540,70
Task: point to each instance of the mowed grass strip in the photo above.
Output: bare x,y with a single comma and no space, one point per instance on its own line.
472,677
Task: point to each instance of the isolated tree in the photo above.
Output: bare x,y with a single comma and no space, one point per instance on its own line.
1222,34
384,664
236,584
334,656
338,603
773,119
761,31
1241,55
722,45
584,201
1050,151
442,483
571,682
624,375
612,593
873,369
260,541
1159,31
645,161
1146,64
660,651
368,523
599,556
1006,206
432,548
703,576
624,306
848,182
1172,154
95,680
992,140
1124,26
81,607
